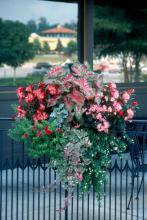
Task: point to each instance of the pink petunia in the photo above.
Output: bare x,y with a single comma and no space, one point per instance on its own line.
130,113
125,96
117,106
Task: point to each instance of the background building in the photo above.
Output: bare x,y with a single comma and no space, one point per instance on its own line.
53,35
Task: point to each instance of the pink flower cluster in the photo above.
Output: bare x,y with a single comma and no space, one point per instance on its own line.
113,104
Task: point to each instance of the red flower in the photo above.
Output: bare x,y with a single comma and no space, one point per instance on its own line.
20,93
34,128
39,94
134,103
26,135
120,113
47,131
39,134
41,85
29,88
21,112
58,130
53,89
29,98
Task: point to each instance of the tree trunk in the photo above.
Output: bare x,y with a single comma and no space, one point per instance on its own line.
137,59
14,75
125,69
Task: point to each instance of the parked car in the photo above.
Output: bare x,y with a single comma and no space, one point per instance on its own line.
41,68
43,65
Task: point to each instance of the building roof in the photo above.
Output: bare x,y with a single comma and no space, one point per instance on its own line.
59,30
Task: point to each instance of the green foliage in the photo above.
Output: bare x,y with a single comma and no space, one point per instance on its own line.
121,32
32,26
71,47
73,119
43,24
30,79
15,48
37,46
59,47
46,48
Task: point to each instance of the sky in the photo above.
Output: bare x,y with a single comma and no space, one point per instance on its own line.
24,10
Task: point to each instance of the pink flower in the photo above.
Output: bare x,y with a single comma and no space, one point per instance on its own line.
106,98
112,85
39,94
103,127
29,98
76,126
130,113
20,93
112,99
21,112
94,108
109,109
99,116
115,94
42,107
79,176
130,91
104,108
106,125
117,106
29,88
125,96
53,89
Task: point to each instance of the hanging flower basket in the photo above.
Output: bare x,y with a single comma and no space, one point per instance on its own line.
72,118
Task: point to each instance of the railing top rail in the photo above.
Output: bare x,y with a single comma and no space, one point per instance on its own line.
7,119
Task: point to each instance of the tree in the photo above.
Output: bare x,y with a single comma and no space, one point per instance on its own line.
37,46
32,26
15,48
71,47
59,47
43,24
71,25
122,33
46,48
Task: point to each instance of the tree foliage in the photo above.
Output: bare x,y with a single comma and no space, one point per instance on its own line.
32,26
43,24
15,48
71,47
46,48
37,46
122,33
59,47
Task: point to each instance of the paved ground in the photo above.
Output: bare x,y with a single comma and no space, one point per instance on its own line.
44,199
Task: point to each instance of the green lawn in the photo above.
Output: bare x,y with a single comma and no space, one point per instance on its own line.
52,59
21,81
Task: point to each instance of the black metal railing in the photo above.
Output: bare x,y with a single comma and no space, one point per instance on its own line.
30,190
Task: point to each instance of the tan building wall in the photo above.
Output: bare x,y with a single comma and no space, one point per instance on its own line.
52,41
